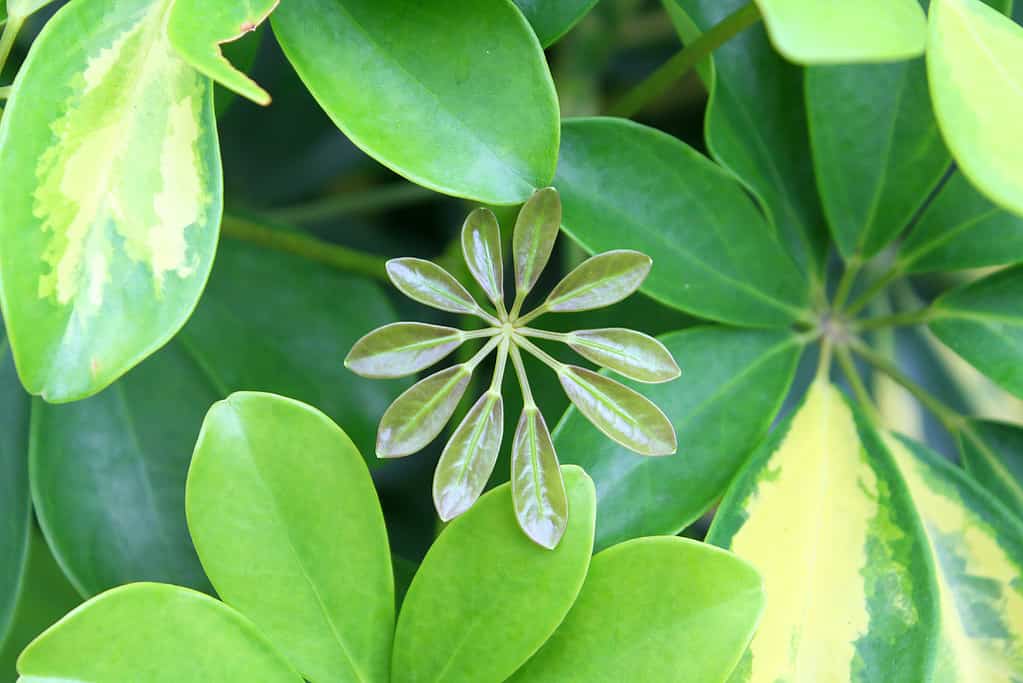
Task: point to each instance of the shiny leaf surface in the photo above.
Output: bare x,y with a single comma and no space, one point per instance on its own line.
993,455
627,352
468,459
551,19
536,230
418,415
429,284
481,246
538,489
401,349
600,281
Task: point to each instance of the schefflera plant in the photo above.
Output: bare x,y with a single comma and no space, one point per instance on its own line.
421,413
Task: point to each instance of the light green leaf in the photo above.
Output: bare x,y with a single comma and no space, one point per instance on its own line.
624,415
822,513
551,19
418,415
756,127
686,609
384,73
600,281
15,503
429,284
976,549
299,544
111,196
22,9
983,323
481,245
538,490
627,352
814,32
401,349
974,62
993,455
732,386
536,230
485,597
197,29
115,637
962,229
468,459
628,186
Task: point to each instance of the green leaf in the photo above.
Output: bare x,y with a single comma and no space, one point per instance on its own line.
418,415
756,128
624,415
627,352
468,459
876,148
536,230
811,32
973,61
983,323
822,513
538,490
962,229
485,597
155,633
993,455
299,545
976,549
21,9
733,384
686,609
108,473
429,284
626,185
600,281
551,19
455,96
401,349
481,245
15,503
112,197
197,29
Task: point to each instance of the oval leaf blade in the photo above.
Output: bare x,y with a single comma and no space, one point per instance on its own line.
485,597
298,545
156,633
429,284
551,19
541,504
111,195
401,349
481,245
490,134
469,457
993,455
600,281
627,352
660,590
973,61
624,415
418,415
536,230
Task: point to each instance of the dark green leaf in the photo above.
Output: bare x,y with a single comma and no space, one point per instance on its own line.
626,185
481,245
993,455
24,8
983,323
15,505
732,385
418,415
538,490
468,459
536,230
298,545
429,284
455,96
485,597
600,281
552,19
401,349
627,352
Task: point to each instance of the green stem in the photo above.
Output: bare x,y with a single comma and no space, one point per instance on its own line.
544,334
690,56
540,354
864,299
824,362
856,382
10,32
481,355
314,249
908,318
952,420
499,366
353,203
520,370
532,315
845,285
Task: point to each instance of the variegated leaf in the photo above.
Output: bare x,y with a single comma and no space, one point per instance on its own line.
111,196
993,455
536,230
627,352
823,515
418,415
469,457
401,349
198,28
625,416
21,9
429,284
481,245
976,548
600,281
538,489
